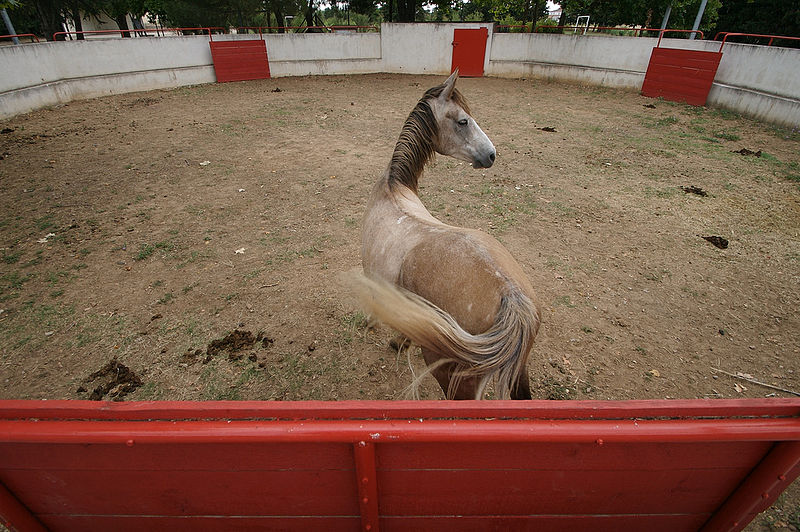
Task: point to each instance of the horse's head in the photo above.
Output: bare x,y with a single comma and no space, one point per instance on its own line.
459,135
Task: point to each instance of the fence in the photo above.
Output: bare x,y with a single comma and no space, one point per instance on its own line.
31,36
405,465
762,81
304,29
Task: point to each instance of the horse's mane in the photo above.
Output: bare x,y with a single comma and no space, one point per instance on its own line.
415,147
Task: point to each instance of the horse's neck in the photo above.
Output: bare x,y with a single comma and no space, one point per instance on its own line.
413,149
392,201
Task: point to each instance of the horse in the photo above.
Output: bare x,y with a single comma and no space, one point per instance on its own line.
455,292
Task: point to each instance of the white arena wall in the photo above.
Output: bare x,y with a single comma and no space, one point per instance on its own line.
758,81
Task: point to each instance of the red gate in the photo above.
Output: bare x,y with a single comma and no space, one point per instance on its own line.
406,465
680,75
240,60
469,51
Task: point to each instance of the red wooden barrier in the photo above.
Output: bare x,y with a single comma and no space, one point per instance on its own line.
680,75
240,60
532,465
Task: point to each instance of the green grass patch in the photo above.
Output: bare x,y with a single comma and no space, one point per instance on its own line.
11,258
350,324
45,222
667,121
147,250
34,261
565,301
724,135
14,280
791,171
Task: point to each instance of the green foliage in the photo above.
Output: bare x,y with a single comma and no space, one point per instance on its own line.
548,26
205,13
769,17
342,18
764,16
646,13
519,10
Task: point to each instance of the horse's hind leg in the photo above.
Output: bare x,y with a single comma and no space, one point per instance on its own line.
467,387
399,343
522,388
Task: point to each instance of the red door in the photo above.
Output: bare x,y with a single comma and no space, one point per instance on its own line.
469,50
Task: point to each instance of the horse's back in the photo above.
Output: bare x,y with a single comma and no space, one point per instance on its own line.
466,273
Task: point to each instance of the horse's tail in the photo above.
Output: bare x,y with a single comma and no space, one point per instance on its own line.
499,354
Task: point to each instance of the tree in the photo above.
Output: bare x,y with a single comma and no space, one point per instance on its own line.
523,11
4,5
768,17
50,17
482,10
643,13
407,10
25,17
363,7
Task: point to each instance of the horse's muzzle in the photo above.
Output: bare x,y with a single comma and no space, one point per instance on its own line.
486,161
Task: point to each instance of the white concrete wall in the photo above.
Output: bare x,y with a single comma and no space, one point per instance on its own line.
297,54
27,65
595,60
770,69
760,81
38,75
305,54
424,48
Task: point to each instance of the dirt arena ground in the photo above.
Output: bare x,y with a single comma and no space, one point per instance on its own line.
188,244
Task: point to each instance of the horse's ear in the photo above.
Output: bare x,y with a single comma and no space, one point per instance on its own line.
449,85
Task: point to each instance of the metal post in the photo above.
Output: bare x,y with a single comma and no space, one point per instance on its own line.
698,18
9,26
666,17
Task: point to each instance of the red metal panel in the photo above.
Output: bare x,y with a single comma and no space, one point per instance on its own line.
757,493
174,493
469,51
240,60
550,523
209,523
255,410
681,75
13,512
367,481
644,457
549,492
298,456
432,430
438,465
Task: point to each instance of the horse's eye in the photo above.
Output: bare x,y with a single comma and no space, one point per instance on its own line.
462,122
